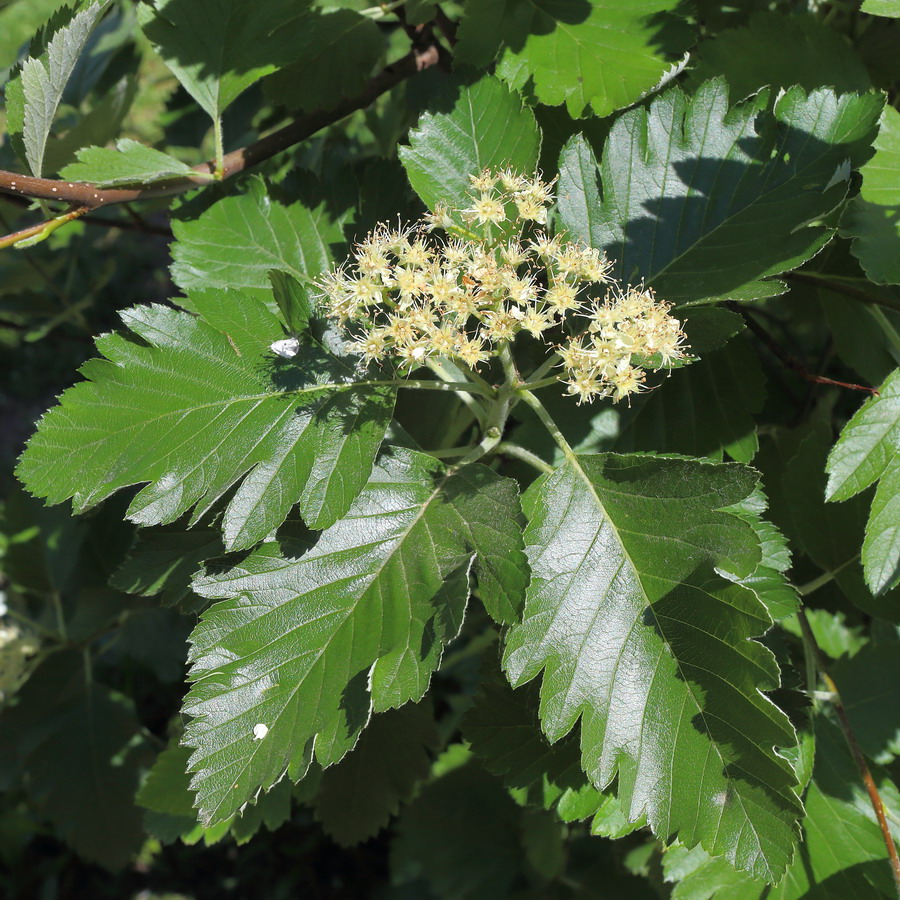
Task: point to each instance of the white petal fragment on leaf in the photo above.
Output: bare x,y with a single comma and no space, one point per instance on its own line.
639,639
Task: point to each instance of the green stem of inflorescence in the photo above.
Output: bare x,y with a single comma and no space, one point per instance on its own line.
219,148
528,397
507,448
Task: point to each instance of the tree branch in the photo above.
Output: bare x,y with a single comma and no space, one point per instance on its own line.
84,197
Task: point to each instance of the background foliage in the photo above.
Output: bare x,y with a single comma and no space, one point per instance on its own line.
269,631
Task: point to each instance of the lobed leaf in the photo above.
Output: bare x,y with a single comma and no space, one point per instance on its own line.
873,218
35,94
238,240
867,451
130,163
357,798
197,407
704,202
336,51
615,51
842,853
307,647
638,639
486,127
218,48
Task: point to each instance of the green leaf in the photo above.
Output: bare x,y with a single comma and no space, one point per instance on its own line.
867,682
166,789
867,451
336,52
615,51
619,614
799,50
300,643
487,127
293,299
38,88
460,835
701,409
100,126
504,732
873,218
889,8
162,562
70,735
357,798
218,48
829,535
199,406
704,202
842,854
130,163
768,580
237,241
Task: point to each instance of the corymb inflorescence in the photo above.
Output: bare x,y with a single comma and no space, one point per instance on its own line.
411,294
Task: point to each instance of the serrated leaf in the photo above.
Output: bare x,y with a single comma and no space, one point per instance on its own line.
487,127
218,48
38,88
336,52
504,732
298,645
768,580
867,451
198,406
68,734
842,854
614,51
799,50
889,8
237,241
701,410
705,202
867,682
460,835
873,218
99,126
163,561
357,798
130,163
619,615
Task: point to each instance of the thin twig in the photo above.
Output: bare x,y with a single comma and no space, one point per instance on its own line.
809,640
87,197
787,359
89,219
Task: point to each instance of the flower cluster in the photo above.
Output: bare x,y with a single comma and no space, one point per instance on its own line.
411,297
